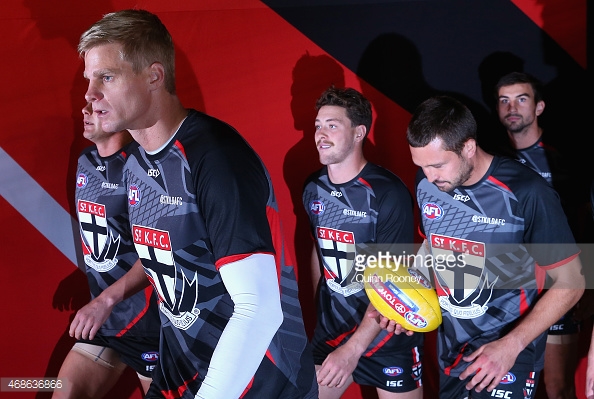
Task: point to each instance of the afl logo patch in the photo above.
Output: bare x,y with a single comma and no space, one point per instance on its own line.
317,207
81,180
415,319
393,371
432,211
150,356
133,195
509,378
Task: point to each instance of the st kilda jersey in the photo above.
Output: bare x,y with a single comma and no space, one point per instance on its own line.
486,241
201,202
373,208
538,157
108,250
558,172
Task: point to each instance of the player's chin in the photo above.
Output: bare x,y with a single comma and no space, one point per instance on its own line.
443,186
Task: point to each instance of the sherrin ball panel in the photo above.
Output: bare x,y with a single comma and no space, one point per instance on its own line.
404,295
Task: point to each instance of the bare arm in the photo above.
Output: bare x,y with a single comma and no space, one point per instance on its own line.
91,317
493,360
339,364
316,268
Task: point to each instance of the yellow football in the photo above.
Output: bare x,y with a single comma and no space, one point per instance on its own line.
404,295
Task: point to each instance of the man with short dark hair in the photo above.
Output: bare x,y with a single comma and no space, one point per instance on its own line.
499,215
350,202
519,104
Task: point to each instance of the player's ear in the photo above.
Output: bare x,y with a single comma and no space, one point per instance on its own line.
156,75
469,148
540,106
360,132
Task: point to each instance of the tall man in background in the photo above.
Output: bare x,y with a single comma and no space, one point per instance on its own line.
205,224
519,104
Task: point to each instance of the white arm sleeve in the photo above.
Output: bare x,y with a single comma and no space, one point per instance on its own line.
253,285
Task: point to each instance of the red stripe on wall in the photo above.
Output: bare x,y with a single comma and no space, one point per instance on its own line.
565,22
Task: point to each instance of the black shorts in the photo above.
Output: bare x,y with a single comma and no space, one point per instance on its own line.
567,325
399,372
140,353
517,384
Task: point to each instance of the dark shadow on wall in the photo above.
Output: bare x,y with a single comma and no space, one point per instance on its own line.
567,127
393,64
566,118
311,76
491,69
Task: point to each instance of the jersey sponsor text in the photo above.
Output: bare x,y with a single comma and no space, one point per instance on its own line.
351,212
111,186
457,245
346,237
92,208
168,200
151,237
488,220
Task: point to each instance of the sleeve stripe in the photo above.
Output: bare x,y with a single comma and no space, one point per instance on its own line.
234,258
560,263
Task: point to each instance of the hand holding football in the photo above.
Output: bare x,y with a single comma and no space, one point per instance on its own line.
404,295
